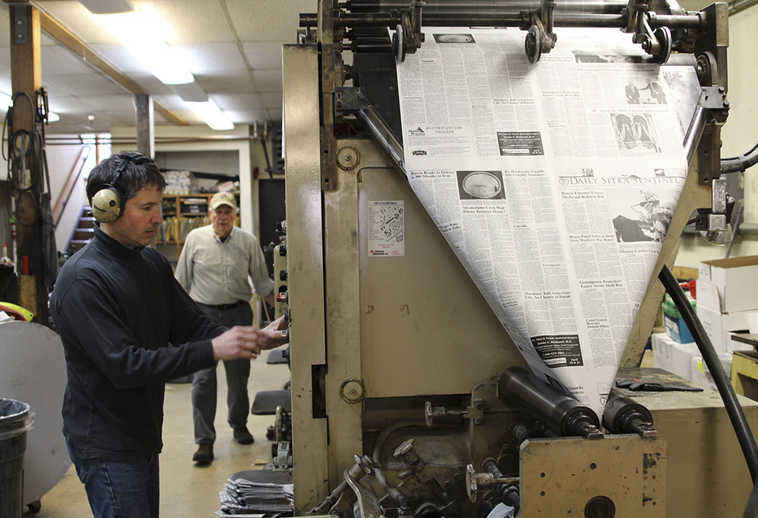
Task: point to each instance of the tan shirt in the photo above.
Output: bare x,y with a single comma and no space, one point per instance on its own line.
215,272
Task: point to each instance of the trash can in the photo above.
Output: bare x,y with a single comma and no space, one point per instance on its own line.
15,421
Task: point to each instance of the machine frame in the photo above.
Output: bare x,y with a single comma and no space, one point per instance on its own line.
372,340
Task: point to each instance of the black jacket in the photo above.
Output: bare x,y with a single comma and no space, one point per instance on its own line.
118,311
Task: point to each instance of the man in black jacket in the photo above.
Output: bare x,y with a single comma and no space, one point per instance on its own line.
127,326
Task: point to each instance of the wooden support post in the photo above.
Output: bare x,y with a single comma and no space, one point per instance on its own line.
26,79
145,124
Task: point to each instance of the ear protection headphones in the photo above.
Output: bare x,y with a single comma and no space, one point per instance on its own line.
108,202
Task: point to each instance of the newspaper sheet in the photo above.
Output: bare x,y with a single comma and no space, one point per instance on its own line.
554,183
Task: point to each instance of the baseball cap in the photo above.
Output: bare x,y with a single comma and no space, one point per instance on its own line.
223,198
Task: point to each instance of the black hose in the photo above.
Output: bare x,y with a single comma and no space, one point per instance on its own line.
733,409
751,510
740,163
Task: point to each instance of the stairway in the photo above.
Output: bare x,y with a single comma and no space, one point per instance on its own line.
85,229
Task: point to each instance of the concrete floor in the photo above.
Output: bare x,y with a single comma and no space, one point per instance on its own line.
186,490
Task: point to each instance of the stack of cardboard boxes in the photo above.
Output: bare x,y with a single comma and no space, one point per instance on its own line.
727,302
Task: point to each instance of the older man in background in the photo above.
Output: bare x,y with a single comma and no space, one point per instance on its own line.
213,268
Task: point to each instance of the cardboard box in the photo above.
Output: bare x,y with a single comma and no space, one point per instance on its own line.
677,330
685,360
673,356
735,280
719,325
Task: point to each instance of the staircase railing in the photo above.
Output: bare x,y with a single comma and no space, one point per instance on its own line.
68,187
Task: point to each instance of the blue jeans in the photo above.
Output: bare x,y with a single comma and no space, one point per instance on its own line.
120,489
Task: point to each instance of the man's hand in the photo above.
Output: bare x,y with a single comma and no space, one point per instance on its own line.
273,335
237,342
247,342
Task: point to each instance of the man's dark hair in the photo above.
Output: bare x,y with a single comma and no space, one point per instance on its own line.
128,172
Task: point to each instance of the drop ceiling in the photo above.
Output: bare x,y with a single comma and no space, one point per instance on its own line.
233,46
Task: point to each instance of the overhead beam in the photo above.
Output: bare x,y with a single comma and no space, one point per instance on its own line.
95,61
145,125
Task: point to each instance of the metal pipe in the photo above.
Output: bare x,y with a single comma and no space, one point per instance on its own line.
468,19
432,6
383,136
593,20
740,5
677,21
732,405
694,132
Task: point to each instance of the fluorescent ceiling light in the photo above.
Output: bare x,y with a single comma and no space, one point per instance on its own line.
211,115
190,93
107,6
53,117
144,35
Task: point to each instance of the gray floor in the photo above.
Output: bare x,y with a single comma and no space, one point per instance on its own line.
188,491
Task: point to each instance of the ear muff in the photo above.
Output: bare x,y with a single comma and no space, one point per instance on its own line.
106,204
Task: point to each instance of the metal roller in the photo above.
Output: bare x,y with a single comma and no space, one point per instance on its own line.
432,7
562,413
624,415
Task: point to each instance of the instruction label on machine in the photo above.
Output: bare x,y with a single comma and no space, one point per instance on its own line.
386,228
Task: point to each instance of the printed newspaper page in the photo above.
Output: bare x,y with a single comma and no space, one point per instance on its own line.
554,183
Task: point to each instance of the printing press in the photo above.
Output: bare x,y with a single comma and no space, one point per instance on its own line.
408,397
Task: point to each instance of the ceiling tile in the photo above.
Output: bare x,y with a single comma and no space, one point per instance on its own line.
245,116
196,27
255,23
110,103
267,80
194,21
150,83
170,102
212,58
234,81
264,54
64,104
76,18
81,85
120,58
237,101
58,60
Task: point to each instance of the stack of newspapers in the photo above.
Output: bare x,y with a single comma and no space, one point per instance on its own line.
248,494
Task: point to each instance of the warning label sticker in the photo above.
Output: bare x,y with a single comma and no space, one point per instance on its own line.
386,228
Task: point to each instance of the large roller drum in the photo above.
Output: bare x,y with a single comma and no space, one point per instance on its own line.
33,370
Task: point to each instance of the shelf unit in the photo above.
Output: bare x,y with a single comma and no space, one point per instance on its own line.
178,205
